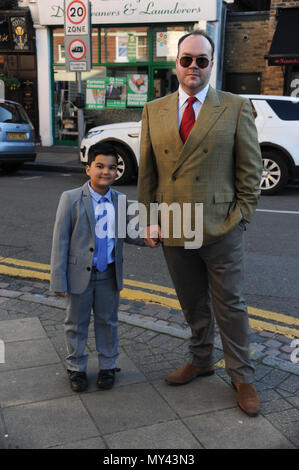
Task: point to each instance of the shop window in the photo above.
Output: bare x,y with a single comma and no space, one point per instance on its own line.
4,34
19,33
65,91
124,45
166,41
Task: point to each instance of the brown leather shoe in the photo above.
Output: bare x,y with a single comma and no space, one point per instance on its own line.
187,373
247,398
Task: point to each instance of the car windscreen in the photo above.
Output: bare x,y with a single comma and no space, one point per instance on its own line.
12,113
285,110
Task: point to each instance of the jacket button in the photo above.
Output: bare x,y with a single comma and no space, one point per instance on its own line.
88,269
197,178
91,249
205,150
173,178
166,151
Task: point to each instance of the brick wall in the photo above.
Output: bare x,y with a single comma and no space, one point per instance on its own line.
247,56
273,76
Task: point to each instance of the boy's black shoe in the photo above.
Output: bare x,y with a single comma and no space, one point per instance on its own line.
78,380
106,378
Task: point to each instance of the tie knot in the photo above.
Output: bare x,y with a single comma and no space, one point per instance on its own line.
191,100
103,199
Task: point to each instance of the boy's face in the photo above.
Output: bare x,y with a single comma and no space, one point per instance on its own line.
102,173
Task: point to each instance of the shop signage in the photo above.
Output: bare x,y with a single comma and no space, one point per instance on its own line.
51,12
95,93
137,89
116,92
77,35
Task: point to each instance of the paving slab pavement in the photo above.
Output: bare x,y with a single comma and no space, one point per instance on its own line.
38,410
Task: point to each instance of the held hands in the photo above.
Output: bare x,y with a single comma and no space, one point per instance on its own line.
60,294
153,236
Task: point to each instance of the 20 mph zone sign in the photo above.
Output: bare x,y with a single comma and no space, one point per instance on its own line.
77,35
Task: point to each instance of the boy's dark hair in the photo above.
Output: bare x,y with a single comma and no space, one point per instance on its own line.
199,32
102,148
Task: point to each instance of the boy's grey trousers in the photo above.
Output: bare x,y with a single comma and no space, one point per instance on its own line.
102,297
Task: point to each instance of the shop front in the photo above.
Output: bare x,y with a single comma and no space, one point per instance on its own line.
284,50
18,61
134,47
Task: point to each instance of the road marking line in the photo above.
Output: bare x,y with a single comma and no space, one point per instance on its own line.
273,316
277,212
149,286
23,273
151,298
29,264
278,329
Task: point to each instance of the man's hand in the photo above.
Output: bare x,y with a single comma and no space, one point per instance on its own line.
60,294
153,236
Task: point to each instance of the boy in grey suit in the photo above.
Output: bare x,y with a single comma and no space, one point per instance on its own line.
86,265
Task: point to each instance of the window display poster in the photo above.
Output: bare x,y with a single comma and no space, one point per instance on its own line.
95,93
116,92
137,89
167,43
132,45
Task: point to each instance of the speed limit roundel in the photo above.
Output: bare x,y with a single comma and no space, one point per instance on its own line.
76,12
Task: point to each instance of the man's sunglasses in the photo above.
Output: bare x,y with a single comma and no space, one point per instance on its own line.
186,61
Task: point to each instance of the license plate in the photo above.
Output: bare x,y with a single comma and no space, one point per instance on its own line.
16,135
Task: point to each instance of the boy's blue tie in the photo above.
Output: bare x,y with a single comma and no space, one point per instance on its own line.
102,241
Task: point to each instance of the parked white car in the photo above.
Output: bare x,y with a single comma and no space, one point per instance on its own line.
277,122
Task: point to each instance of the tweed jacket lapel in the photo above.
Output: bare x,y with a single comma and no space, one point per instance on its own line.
169,116
207,118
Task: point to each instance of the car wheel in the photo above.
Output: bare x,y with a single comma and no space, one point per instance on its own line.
275,173
11,167
125,166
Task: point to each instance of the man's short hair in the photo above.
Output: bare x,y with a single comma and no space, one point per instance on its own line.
102,148
198,32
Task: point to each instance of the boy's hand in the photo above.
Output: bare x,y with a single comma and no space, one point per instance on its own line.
153,236
60,294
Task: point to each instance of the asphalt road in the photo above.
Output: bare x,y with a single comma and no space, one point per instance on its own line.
28,205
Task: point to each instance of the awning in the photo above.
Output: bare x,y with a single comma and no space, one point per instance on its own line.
284,49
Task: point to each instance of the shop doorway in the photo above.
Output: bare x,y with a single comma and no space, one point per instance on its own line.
243,83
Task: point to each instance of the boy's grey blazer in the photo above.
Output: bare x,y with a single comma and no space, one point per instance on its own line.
74,241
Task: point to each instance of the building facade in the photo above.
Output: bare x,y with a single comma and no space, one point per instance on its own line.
18,69
262,50
134,47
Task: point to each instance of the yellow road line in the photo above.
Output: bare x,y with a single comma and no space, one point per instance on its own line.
29,264
23,273
273,316
148,297
146,285
278,329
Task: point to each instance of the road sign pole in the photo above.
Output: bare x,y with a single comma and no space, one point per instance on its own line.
77,32
80,113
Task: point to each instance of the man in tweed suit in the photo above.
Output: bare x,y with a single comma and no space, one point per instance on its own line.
216,161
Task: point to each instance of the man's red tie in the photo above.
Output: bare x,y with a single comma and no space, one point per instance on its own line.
188,119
